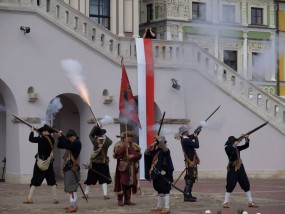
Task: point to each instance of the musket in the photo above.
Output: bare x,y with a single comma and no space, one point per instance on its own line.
77,180
250,132
161,122
86,167
156,171
25,122
97,122
160,125
199,128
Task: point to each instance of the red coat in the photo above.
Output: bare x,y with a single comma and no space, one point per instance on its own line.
128,177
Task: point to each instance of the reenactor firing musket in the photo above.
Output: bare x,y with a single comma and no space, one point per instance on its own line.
199,128
250,132
25,122
31,126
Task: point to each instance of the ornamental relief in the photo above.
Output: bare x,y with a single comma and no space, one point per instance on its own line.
230,1
259,2
201,40
258,45
230,43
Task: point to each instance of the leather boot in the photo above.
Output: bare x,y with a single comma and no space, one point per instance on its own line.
120,200
128,194
188,192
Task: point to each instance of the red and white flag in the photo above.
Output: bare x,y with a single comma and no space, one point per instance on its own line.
145,66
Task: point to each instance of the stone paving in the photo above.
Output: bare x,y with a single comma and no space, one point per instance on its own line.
268,194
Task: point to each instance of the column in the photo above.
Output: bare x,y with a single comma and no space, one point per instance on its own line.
245,47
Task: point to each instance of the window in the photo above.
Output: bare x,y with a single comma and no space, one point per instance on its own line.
198,11
149,15
228,15
230,59
99,12
256,16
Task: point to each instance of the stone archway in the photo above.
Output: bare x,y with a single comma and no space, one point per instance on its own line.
10,148
68,117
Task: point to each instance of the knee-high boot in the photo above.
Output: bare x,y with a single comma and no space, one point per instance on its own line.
188,191
128,194
120,200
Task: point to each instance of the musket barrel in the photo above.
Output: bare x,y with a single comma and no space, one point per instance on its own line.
98,124
253,130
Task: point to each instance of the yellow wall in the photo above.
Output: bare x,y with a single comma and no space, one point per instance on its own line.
281,20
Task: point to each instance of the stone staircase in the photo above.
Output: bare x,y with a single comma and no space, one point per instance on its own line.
167,54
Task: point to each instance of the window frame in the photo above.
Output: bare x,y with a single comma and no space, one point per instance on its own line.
254,19
149,12
199,12
99,16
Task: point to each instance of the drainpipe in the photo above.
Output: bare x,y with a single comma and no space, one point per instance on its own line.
277,50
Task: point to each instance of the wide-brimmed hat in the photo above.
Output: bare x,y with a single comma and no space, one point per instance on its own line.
183,129
98,131
128,133
231,140
162,139
70,133
46,128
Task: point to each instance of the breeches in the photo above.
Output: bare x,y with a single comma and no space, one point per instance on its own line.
191,173
161,185
39,176
71,180
238,176
93,177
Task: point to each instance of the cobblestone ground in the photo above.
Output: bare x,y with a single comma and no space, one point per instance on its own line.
268,194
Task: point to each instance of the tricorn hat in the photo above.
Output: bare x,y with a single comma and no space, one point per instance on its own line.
183,129
70,133
46,128
98,131
231,140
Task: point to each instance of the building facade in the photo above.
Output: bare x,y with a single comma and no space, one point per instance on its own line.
240,33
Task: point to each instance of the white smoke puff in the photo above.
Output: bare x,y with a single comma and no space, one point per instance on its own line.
73,70
203,123
107,120
53,108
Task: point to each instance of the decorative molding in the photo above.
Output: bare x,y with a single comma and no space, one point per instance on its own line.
165,121
31,120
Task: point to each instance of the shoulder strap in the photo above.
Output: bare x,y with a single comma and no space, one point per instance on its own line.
50,143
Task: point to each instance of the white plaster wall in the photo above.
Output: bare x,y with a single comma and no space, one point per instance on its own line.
34,60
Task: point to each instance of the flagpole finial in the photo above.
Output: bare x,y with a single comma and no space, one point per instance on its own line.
122,59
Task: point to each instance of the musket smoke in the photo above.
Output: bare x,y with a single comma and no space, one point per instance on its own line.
73,71
107,120
53,108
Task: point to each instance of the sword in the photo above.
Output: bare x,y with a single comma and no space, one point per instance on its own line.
179,176
79,185
93,170
168,181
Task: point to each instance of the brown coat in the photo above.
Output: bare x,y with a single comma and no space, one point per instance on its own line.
128,177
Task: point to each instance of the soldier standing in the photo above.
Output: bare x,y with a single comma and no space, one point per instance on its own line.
189,145
71,167
99,161
127,154
45,146
159,169
235,170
